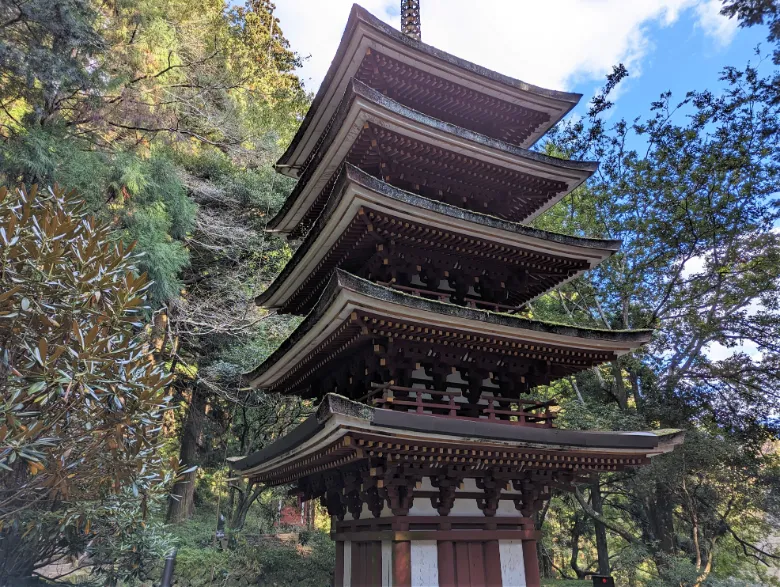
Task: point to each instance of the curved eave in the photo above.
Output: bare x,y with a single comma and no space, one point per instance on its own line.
346,293
361,105
337,416
365,31
357,189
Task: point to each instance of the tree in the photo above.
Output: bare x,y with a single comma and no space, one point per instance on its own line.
757,12
174,114
260,421
692,192
217,324
144,194
82,401
99,95
132,72
47,53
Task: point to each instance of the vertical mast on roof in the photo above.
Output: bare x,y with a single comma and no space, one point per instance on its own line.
410,18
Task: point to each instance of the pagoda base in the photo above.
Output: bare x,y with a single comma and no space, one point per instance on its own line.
423,500
425,551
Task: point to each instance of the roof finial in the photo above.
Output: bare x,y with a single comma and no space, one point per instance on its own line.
410,18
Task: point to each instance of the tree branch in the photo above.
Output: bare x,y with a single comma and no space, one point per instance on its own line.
624,534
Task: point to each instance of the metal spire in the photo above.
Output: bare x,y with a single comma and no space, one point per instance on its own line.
410,18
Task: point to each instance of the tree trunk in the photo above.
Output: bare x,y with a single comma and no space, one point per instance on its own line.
661,516
245,500
620,387
542,554
602,547
309,508
576,532
231,503
633,377
182,501
545,561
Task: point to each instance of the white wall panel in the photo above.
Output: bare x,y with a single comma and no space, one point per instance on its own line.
425,563
512,563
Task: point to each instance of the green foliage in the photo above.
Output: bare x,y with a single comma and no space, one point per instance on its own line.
82,403
108,86
255,556
258,49
757,12
163,258
264,561
144,194
136,70
692,192
46,55
126,545
166,115
70,308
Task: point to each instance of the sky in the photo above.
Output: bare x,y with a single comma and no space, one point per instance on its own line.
570,45
667,45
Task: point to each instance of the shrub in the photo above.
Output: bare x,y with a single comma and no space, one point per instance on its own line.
82,401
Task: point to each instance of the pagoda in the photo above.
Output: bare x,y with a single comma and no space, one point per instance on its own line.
414,265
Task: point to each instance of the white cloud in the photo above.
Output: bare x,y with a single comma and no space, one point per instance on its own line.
714,24
717,352
314,29
694,266
552,44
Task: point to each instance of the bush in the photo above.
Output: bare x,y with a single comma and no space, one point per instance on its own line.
252,559
145,196
81,404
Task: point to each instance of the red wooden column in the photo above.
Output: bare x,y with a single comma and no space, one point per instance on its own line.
338,578
492,565
531,559
446,552
358,563
402,564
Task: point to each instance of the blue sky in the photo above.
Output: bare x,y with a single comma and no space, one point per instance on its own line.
683,57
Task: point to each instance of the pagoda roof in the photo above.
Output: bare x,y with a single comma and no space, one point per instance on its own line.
391,140
352,310
442,84
363,210
342,432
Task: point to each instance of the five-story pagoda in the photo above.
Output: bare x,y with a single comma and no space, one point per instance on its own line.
415,180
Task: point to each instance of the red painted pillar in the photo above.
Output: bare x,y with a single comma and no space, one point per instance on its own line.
530,558
446,552
402,564
492,565
338,579
532,577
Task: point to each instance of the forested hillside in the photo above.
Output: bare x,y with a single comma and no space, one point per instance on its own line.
165,117
158,121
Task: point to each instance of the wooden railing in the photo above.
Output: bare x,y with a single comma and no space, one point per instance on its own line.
444,296
452,404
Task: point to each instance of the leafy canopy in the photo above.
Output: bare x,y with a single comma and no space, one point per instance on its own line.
692,191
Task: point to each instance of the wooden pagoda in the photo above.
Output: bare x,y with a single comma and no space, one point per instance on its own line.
414,265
